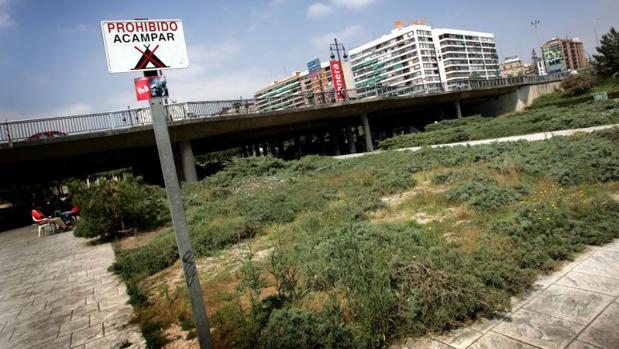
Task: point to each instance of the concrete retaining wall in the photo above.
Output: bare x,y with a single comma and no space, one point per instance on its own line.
515,101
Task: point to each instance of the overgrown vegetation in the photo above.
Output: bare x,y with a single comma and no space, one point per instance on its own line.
112,203
529,121
610,85
606,61
577,85
336,279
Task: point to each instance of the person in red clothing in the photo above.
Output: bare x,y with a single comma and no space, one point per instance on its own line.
57,221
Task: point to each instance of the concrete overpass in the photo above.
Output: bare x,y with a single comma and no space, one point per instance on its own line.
338,128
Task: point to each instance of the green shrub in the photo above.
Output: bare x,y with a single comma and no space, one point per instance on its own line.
453,123
156,255
447,177
576,85
435,299
484,194
128,200
552,230
529,121
384,281
292,327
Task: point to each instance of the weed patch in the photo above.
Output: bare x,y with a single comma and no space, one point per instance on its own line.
335,278
529,121
484,194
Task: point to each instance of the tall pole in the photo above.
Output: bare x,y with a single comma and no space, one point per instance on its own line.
173,191
337,46
337,49
535,23
595,28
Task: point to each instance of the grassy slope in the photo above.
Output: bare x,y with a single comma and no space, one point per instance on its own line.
352,270
538,118
559,98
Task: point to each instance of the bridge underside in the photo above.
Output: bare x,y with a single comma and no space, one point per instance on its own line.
337,129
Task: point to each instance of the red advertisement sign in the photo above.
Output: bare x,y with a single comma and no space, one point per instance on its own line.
338,80
142,90
152,86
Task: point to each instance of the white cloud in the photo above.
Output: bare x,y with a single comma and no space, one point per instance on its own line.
352,4
212,56
74,109
66,110
205,79
6,114
319,10
80,28
5,18
191,87
322,42
276,3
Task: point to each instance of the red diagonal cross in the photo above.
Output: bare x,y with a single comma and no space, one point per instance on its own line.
148,57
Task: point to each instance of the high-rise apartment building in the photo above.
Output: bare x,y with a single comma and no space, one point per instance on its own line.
465,55
295,91
561,55
415,56
426,59
405,57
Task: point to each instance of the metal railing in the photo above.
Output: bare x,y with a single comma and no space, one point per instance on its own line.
26,130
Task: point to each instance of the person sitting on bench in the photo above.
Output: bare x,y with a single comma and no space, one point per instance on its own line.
57,221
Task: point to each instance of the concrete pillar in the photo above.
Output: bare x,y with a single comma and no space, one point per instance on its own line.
297,143
357,133
458,108
308,142
350,138
188,162
280,148
441,113
321,140
265,149
256,149
426,118
335,141
367,133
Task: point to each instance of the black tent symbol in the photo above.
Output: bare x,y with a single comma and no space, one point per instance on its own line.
148,56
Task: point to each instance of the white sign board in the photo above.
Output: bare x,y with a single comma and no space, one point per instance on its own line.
139,45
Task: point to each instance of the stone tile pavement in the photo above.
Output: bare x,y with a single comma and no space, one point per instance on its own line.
576,307
56,292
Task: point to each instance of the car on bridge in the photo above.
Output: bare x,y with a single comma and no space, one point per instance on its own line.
46,135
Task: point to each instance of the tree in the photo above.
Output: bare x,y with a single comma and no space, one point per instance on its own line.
607,61
576,85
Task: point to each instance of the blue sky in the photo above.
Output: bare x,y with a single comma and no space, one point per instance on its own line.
52,59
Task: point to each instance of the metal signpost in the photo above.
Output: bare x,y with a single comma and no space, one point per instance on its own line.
148,46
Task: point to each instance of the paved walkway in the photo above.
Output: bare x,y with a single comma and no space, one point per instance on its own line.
56,292
530,137
577,307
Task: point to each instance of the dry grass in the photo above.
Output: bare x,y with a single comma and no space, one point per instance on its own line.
178,338
141,239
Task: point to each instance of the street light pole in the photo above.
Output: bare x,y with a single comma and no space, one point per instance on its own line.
536,23
595,28
337,47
